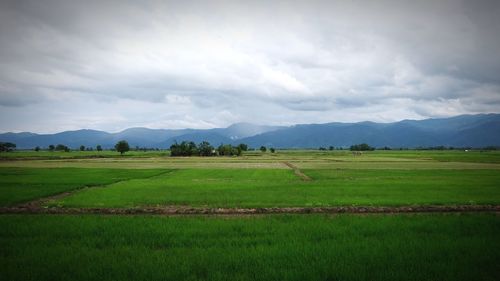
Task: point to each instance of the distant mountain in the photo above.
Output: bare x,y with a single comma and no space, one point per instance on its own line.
145,137
243,130
460,131
142,137
231,134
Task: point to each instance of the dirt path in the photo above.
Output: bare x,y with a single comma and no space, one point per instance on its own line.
297,171
187,210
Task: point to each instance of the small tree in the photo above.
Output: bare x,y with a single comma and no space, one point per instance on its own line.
205,149
82,147
229,150
263,149
361,147
122,146
243,147
62,147
7,146
51,147
37,148
98,147
272,149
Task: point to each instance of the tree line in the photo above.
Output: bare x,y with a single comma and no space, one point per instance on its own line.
189,148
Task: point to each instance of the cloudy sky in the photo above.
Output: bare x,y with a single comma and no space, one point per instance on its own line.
111,65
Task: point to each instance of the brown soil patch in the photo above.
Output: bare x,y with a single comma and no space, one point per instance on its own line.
187,210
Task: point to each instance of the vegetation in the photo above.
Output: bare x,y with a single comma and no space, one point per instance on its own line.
7,146
205,149
263,149
291,247
62,147
19,185
186,148
243,147
229,150
361,147
263,247
98,147
75,154
282,188
122,147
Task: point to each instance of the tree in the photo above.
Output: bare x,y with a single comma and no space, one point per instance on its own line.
263,149
37,148
122,146
62,147
7,146
361,147
229,150
205,149
82,147
183,149
98,147
243,147
330,148
51,147
272,149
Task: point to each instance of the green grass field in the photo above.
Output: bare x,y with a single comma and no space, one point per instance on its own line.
282,188
18,185
251,247
26,154
299,247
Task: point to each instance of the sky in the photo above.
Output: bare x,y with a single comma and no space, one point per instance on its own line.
112,65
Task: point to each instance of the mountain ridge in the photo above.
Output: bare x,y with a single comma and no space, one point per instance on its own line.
461,131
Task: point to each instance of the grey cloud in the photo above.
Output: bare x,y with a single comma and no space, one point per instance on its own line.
220,62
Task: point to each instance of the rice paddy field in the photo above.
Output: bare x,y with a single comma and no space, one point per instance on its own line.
40,240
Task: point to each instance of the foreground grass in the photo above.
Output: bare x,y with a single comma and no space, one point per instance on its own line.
307,247
19,185
281,188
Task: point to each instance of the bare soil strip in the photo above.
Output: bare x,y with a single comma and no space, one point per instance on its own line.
187,210
297,171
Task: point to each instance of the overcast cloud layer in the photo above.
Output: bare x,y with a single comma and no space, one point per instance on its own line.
111,65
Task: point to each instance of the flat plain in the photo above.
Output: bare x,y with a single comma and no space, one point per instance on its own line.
431,246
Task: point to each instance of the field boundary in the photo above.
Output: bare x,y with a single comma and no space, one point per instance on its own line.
187,210
297,171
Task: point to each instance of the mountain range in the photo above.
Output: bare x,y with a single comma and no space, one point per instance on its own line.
460,131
